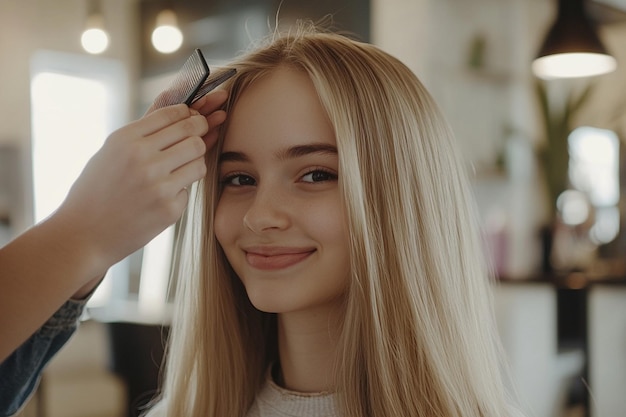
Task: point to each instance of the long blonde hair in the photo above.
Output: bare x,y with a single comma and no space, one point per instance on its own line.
419,336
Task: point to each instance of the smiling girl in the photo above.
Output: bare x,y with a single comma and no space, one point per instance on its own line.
334,266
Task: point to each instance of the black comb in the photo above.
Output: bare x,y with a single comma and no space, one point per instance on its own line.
187,82
192,82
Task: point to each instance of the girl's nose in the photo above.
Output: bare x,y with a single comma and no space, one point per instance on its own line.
269,211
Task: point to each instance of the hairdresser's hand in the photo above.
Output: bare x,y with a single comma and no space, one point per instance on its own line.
135,185
207,106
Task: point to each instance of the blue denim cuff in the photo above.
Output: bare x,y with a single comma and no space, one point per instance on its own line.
65,319
21,371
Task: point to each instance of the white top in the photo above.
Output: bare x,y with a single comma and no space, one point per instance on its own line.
274,401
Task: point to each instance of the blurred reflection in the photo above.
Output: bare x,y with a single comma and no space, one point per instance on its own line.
573,248
574,207
594,170
588,213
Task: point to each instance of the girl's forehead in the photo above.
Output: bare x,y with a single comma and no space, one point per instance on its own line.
281,106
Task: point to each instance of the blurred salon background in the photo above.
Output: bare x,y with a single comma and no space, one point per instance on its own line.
543,143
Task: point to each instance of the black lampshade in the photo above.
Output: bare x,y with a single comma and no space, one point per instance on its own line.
572,47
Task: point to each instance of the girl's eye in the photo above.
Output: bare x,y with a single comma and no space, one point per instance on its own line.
319,175
238,180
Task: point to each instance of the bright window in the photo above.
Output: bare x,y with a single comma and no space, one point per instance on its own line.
76,101
594,170
69,126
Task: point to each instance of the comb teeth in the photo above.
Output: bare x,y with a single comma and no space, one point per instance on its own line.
187,82
211,83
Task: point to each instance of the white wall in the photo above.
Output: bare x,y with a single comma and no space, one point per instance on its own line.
607,346
433,37
402,28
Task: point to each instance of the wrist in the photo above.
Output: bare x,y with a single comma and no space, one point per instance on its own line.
76,242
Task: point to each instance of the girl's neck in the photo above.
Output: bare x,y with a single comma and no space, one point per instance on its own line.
307,343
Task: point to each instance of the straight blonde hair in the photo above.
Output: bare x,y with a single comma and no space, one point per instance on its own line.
419,336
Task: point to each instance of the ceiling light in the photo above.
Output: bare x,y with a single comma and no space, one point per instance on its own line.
94,39
167,37
572,47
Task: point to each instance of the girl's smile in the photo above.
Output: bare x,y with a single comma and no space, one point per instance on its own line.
272,258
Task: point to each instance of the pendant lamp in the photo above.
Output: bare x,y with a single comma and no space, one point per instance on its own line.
95,38
572,47
167,36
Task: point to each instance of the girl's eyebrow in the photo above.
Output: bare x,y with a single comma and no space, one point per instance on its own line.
308,149
289,153
233,157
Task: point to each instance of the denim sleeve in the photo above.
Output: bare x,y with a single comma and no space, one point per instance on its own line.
20,372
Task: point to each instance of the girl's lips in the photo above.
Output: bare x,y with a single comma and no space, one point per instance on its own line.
276,260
